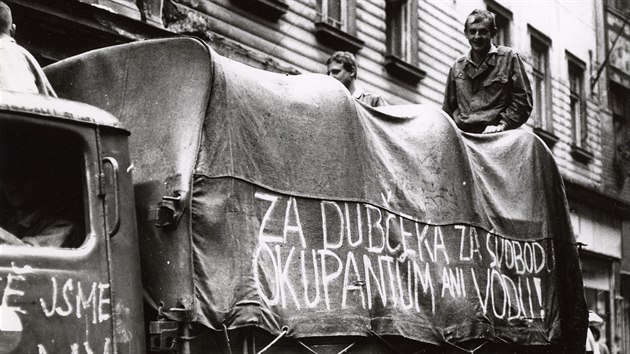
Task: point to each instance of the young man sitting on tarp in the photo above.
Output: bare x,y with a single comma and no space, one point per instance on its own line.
487,90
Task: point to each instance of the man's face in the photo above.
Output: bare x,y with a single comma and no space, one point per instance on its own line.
479,35
337,71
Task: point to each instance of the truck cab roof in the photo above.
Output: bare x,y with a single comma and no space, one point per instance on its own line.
56,109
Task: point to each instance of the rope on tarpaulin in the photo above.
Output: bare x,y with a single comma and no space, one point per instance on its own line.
306,346
284,331
227,338
345,350
470,351
387,344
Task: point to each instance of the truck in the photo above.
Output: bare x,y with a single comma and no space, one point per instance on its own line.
225,209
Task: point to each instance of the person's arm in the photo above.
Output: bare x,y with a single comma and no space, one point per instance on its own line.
54,235
7,238
520,106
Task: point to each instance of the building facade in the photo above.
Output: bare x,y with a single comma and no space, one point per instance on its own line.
576,52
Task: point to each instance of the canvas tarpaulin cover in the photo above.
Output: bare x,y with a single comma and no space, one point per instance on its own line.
312,212
317,213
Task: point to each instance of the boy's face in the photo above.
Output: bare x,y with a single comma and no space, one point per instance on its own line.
479,35
338,71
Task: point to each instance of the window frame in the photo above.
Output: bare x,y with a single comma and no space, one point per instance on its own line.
401,30
576,71
269,9
338,34
577,104
346,23
503,20
541,75
619,103
149,11
91,228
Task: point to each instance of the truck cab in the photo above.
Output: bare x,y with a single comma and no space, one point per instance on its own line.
81,295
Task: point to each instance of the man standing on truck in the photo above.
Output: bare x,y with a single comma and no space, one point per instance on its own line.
487,90
19,71
343,67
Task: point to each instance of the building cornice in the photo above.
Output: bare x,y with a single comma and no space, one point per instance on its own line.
117,26
596,198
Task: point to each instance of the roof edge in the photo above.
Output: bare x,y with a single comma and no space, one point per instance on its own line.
56,108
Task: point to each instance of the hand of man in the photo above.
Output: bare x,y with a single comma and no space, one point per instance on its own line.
494,128
7,238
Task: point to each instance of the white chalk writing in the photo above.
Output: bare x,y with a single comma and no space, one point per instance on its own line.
74,298
327,254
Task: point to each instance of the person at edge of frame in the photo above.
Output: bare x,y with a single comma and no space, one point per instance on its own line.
19,71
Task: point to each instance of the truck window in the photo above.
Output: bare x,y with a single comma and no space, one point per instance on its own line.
41,187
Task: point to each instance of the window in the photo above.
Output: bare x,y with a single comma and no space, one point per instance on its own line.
270,9
41,195
335,13
503,31
577,103
148,10
401,59
503,17
619,97
597,275
336,24
541,80
402,29
577,108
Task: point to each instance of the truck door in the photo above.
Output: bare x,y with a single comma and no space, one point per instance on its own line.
120,229
55,287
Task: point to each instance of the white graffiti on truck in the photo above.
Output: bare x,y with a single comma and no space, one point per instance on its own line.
75,348
380,258
68,298
78,298
88,300
11,288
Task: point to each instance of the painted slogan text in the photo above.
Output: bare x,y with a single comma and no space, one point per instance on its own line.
329,255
